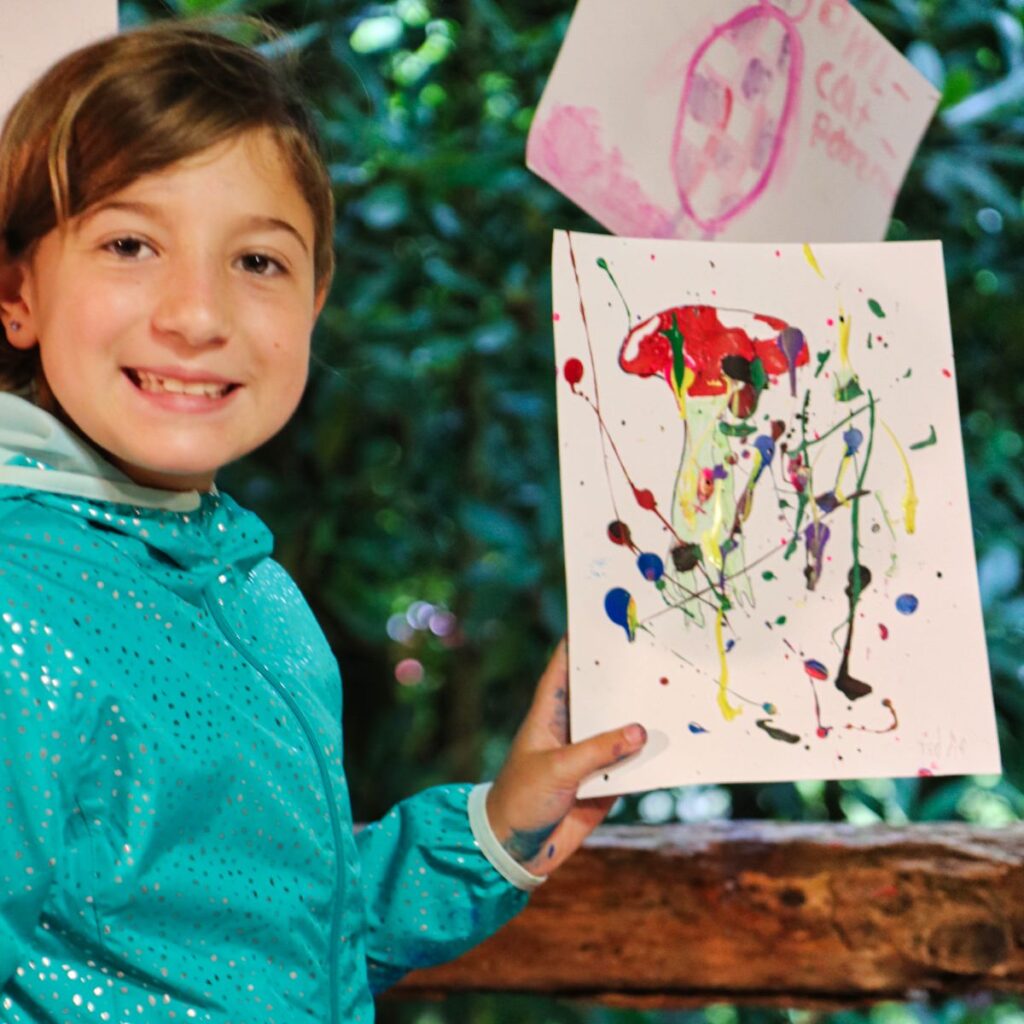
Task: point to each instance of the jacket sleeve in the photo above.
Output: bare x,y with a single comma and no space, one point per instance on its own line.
430,890
35,681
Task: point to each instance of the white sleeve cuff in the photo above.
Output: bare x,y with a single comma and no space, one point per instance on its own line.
504,863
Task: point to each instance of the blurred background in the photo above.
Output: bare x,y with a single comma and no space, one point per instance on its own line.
415,495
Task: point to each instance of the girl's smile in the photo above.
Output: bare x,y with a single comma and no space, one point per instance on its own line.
173,318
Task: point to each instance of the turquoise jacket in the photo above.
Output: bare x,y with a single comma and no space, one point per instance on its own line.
177,838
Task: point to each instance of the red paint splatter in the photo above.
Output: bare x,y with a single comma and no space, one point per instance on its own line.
647,349
573,372
883,631
831,322
822,733
947,373
619,533
645,499
925,773
664,680
815,669
556,317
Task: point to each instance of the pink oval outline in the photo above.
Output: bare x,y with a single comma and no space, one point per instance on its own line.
796,68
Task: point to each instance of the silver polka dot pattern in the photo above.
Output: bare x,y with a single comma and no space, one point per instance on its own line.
178,842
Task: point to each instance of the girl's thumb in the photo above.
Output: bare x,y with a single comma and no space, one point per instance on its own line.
607,748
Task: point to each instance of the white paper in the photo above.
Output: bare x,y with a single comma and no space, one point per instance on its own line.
37,33
737,120
642,444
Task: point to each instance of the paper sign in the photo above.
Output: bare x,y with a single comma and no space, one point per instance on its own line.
37,33
791,120
768,543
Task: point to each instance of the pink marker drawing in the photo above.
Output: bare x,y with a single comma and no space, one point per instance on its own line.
740,97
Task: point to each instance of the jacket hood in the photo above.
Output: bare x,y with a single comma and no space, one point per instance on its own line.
203,532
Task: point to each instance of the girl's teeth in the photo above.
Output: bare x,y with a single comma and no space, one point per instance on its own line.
150,382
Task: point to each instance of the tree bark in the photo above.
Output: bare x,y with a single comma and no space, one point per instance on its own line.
763,913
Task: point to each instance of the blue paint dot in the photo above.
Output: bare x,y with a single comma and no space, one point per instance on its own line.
766,446
770,709
697,729
854,438
906,604
619,606
651,567
815,669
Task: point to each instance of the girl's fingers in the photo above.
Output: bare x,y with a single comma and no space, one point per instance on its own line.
578,760
556,676
547,724
574,828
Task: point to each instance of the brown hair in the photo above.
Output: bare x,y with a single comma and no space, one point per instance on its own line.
133,104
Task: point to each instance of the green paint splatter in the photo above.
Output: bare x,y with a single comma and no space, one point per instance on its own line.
758,376
930,440
675,337
908,374
802,497
769,576
784,504
823,358
603,264
737,429
781,620
876,308
849,391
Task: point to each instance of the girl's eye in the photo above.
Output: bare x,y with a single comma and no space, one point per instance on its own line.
262,265
128,248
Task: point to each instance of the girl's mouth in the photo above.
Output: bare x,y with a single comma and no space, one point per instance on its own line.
154,383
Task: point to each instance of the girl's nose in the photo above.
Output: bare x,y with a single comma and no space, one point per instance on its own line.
193,302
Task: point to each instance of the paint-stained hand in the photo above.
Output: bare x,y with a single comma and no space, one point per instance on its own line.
532,806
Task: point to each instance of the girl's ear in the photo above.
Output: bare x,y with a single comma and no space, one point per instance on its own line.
319,300
15,312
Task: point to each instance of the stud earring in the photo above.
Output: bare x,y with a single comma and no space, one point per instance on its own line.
14,326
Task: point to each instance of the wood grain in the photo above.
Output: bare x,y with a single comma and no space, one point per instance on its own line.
765,913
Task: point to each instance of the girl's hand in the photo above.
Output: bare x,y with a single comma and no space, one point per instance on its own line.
532,806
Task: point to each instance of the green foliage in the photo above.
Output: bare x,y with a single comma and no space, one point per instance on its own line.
415,495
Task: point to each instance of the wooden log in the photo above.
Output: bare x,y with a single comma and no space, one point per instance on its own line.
763,913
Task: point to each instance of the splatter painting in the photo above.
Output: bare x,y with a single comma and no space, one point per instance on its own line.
39,32
748,120
768,543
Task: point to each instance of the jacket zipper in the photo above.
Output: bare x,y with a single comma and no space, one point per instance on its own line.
218,616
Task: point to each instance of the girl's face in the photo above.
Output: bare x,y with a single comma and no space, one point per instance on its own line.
174,317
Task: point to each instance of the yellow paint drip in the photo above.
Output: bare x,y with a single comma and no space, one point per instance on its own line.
729,712
682,390
688,494
748,493
843,466
910,499
709,538
813,261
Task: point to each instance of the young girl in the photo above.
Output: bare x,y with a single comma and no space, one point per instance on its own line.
177,839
